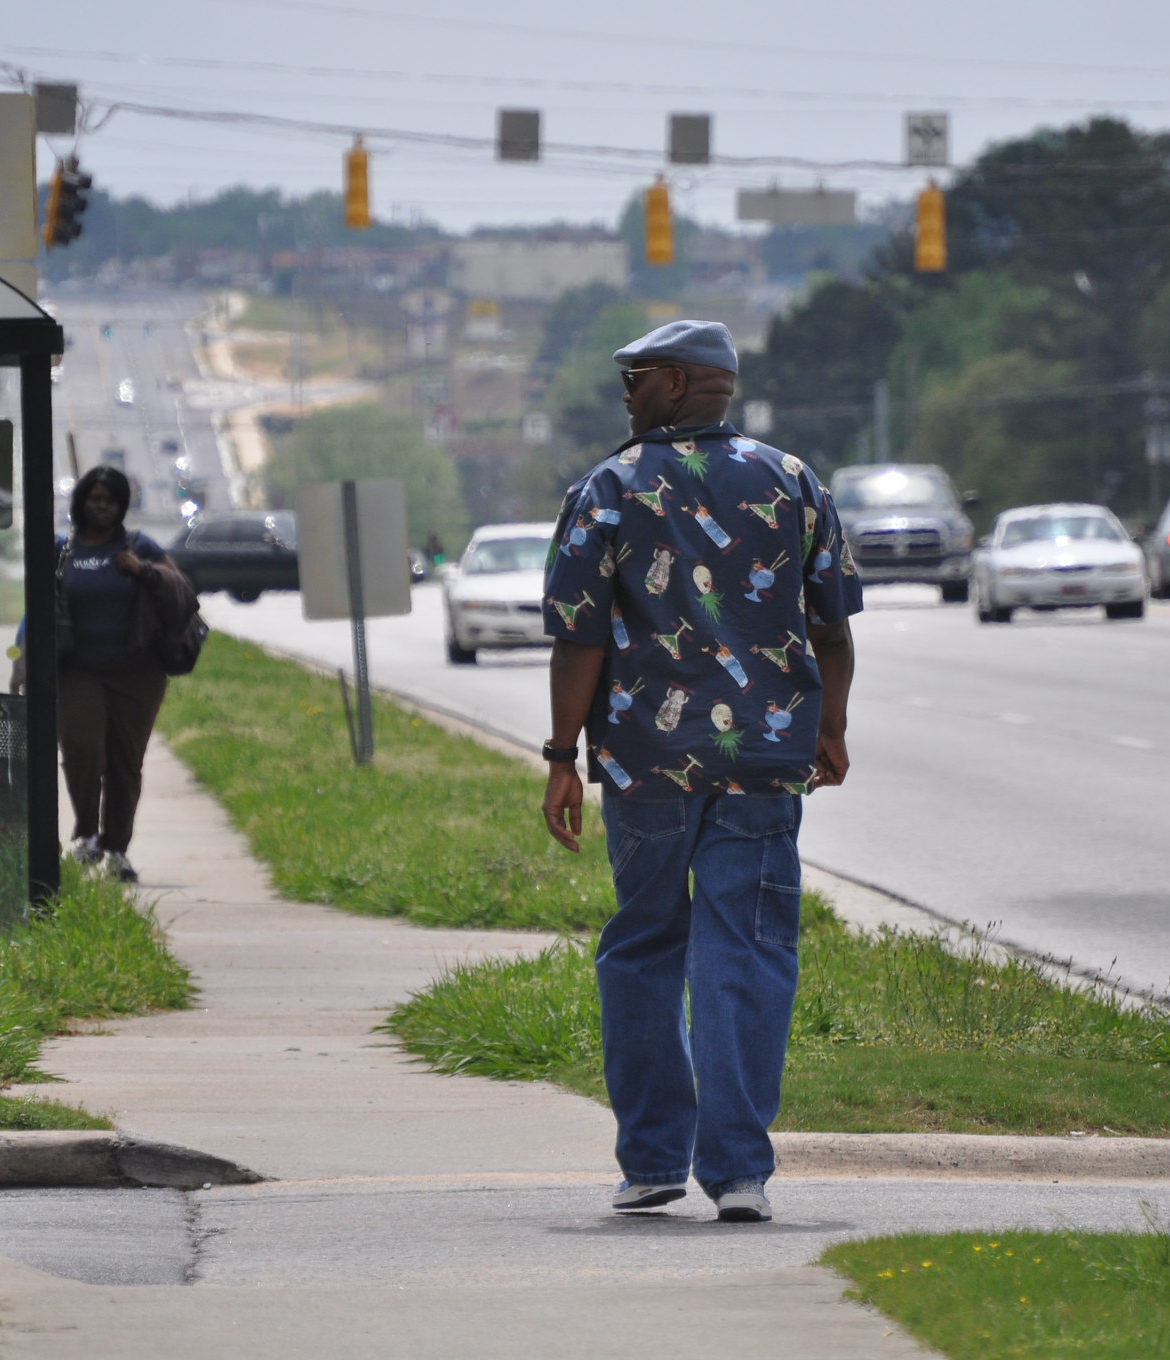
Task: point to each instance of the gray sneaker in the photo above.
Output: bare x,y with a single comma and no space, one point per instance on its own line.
633,1196
744,1202
116,865
85,850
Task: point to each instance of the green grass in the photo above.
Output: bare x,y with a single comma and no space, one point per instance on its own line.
1020,1295
96,956
1058,1061
435,829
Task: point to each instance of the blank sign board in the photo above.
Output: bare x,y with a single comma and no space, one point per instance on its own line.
382,559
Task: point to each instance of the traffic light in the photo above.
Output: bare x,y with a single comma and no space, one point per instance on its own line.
357,186
65,204
659,229
930,230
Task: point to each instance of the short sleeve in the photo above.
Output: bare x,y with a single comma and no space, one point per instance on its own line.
578,583
832,590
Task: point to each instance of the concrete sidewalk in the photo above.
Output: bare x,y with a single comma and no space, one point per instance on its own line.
402,1213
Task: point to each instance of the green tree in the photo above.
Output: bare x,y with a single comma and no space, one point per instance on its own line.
584,397
345,443
819,367
1000,427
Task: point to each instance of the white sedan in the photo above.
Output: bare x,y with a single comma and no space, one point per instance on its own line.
1058,557
493,598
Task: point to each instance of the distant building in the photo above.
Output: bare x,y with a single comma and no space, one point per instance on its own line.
535,270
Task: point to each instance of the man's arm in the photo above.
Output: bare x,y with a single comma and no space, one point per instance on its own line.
573,672
832,644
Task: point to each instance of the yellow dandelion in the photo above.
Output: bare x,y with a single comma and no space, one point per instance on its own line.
976,1247
1023,1298
1009,1252
1038,1260
927,1264
885,1274
993,1245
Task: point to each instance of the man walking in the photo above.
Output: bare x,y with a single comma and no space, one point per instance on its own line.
699,591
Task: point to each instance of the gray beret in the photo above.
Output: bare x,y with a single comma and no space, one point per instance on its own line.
690,342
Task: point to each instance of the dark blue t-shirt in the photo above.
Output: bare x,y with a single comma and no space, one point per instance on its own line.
101,600
696,557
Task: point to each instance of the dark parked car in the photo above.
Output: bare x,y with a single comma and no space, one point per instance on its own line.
244,552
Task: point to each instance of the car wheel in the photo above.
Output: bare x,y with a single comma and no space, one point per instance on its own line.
954,592
1131,609
245,596
986,610
459,656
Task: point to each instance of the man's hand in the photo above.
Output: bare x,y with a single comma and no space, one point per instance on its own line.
563,796
832,761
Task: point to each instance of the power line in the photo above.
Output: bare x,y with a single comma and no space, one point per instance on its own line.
724,92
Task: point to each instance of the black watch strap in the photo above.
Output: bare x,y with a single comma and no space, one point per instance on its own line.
558,753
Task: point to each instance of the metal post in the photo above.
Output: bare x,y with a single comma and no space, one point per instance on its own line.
881,422
44,865
353,569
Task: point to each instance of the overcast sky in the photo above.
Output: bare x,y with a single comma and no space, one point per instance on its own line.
824,85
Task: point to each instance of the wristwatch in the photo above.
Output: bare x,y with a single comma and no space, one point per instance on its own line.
558,753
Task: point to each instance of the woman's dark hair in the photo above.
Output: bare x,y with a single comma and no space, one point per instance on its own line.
115,483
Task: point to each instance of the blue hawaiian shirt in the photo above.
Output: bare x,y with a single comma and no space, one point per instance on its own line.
695,556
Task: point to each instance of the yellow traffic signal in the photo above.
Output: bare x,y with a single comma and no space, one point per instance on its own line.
52,208
659,228
930,230
65,203
357,186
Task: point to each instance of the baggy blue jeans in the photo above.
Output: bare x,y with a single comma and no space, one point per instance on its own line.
708,893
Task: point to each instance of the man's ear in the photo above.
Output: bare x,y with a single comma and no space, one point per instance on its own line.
679,382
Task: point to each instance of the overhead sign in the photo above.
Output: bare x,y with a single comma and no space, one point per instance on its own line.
927,139
690,139
797,207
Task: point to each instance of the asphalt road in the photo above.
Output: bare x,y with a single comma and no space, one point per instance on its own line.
1013,775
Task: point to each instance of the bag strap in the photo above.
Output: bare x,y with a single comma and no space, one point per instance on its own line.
64,554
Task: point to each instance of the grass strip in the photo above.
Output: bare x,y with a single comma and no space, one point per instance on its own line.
892,1033
98,955
435,828
1019,1295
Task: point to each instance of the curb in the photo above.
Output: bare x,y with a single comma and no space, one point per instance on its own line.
970,1156
58,1160
62,1159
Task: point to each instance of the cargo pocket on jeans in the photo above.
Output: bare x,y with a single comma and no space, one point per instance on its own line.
771,823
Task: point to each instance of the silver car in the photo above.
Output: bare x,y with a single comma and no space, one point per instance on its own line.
493,598
1058,557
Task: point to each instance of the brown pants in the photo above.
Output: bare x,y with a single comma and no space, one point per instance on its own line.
104,720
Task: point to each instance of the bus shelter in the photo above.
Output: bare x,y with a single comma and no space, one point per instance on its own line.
30,340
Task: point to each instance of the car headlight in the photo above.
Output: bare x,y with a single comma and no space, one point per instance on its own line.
1121,568
477,604
963,540
1017,571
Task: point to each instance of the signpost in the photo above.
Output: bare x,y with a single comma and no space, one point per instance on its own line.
353,555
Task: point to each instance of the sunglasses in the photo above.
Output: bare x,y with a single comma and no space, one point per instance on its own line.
629,375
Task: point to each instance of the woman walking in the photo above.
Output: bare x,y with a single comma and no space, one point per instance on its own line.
110,685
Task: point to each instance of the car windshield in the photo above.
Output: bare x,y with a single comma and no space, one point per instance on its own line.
895,488
1060,529
507,554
